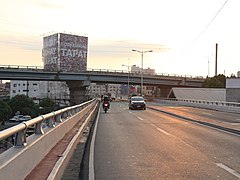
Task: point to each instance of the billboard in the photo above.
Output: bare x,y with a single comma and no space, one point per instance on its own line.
73,52
50,52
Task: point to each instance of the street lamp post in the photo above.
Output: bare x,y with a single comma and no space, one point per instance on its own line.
128,78
142,52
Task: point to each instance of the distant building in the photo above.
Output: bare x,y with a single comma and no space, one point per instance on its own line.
238,74
147,90
96,90
136,69
37,90
4,91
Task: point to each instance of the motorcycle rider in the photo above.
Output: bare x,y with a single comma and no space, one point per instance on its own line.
106,100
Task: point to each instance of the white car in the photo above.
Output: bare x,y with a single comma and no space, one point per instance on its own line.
20,118
137,102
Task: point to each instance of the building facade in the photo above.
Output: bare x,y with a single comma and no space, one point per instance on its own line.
97,90
58,92
137,70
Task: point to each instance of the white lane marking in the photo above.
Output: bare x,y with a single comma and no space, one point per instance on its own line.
207,113
140,118
235,124
91,153
228,169
164,132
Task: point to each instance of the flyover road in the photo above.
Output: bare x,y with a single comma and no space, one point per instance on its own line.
136,144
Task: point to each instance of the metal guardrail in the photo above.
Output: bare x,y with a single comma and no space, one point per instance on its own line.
49,119
90,70
217,103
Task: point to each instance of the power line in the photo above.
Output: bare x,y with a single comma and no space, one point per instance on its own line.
206,27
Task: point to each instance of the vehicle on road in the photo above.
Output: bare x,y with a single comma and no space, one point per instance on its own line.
20,118
137,102
105,107
106,103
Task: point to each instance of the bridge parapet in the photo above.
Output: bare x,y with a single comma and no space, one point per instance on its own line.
231,107
19,160
98,71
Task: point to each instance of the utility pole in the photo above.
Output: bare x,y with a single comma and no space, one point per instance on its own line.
216,59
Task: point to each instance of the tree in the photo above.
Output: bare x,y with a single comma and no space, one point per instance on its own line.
46,106
215,82
5,112
24,105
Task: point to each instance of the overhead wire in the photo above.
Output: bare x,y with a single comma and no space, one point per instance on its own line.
206,27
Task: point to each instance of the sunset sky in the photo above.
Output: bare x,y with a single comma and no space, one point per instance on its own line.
181,33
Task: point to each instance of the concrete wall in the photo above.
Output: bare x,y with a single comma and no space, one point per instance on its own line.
233,95
233,90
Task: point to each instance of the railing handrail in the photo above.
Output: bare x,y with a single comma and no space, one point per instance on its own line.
37,121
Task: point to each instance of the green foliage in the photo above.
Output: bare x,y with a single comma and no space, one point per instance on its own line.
215,82
46,106
24,105
5,111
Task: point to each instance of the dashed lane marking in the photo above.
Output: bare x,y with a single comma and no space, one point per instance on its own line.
206,113
228,169
140,118
164,132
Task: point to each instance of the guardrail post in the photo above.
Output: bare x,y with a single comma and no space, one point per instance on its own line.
69,113
38,128
20,138
51,122
58,118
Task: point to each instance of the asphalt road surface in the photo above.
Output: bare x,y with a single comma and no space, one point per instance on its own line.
138,144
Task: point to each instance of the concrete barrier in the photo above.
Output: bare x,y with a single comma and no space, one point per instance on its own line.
231,107
18,161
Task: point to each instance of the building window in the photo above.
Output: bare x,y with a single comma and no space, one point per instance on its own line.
14,91
14,85
34,84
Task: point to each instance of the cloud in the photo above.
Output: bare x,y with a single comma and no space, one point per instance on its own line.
116,48
21,42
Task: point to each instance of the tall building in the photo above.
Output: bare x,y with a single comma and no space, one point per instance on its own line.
65,52
238,74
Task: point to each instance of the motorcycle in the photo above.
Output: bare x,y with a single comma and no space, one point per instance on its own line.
105,107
